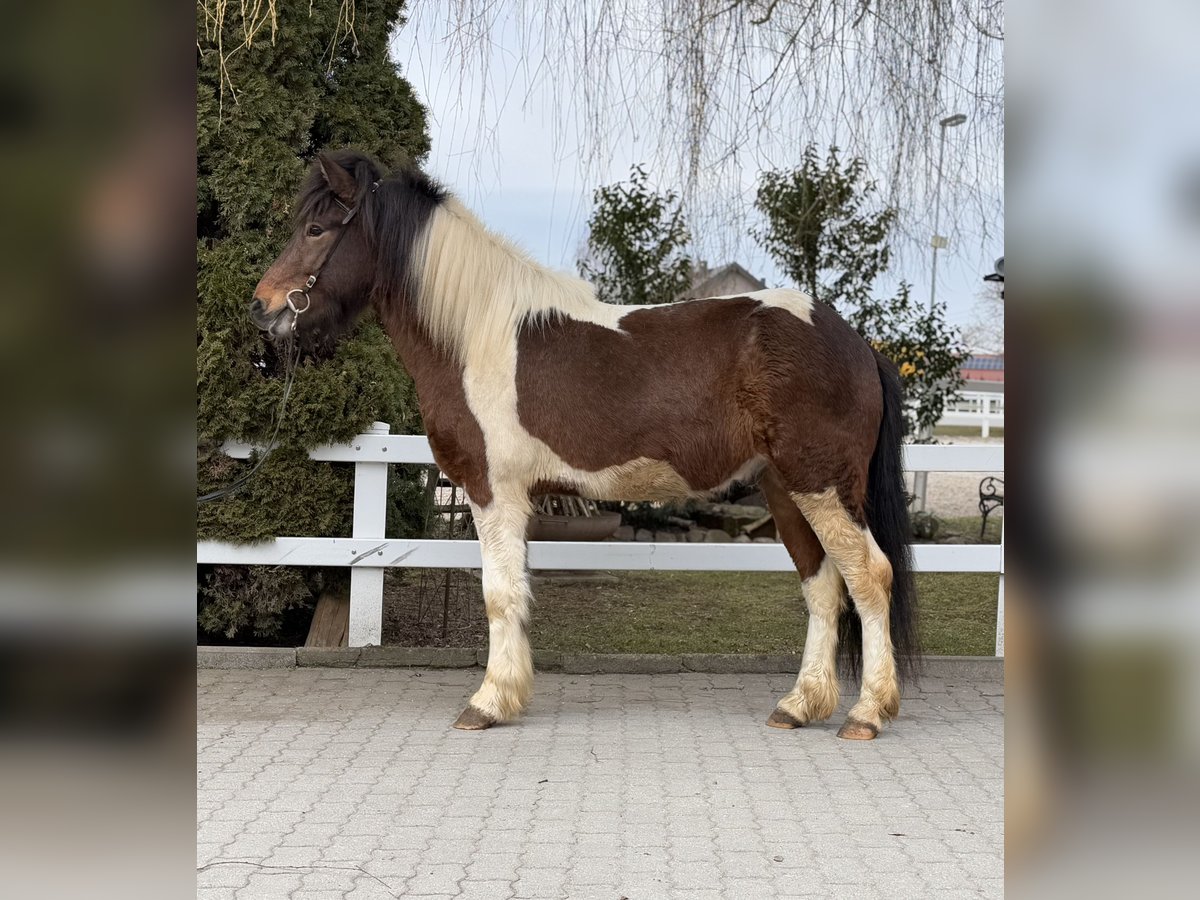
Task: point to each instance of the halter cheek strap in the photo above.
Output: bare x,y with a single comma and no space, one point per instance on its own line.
351,212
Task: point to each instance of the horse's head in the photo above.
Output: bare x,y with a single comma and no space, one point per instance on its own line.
322,280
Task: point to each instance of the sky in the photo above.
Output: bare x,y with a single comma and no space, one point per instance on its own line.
502,150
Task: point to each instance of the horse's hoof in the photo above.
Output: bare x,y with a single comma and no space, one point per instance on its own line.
856,730
783,719
473,720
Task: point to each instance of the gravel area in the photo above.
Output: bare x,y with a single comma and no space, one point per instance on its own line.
954,494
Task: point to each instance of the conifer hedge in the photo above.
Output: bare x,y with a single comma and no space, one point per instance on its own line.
321,78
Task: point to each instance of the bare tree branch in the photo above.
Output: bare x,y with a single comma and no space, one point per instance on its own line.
716,90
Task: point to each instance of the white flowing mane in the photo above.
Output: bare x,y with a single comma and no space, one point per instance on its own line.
476,286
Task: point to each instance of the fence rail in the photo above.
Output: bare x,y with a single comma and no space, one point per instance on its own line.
983,409
368,553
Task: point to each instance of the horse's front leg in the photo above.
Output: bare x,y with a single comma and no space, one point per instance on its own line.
509,679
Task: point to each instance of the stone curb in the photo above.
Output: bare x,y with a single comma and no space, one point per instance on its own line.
741,663
245,657
967,668
388,657
619,663
972,668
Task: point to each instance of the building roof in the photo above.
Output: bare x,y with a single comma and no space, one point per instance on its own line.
706,276
994,362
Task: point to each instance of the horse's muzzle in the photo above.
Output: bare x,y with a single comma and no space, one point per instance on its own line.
277,325
258,312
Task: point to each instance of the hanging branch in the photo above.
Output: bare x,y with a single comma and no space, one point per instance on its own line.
721,88
254,16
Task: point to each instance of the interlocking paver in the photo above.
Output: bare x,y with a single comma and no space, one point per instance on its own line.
317,783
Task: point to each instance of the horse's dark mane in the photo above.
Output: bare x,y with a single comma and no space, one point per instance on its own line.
393,216
404,204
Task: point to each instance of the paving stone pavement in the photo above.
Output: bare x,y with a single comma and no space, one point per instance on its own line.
323,784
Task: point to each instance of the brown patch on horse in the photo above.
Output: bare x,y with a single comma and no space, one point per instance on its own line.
705,386
453,431
823,402
662,388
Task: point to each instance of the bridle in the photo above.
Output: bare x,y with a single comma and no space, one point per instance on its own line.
350,212
292,354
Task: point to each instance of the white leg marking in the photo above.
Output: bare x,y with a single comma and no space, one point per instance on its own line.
815,695
880,688
868,575
509,680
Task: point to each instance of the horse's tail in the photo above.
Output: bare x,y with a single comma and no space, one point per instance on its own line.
887,517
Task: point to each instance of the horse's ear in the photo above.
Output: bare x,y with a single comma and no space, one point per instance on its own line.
340,181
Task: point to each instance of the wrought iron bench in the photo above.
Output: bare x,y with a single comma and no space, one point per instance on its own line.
991,496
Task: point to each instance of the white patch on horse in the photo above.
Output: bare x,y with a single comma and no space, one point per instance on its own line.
508,683
815,696
798,303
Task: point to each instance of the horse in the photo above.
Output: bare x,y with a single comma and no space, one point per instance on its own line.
527,384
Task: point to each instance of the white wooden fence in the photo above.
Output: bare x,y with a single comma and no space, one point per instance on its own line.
978,408
368,553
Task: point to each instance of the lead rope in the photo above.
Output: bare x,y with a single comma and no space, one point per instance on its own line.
292,361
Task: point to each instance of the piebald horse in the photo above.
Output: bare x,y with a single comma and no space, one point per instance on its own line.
528,384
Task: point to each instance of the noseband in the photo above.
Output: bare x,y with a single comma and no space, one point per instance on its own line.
351,212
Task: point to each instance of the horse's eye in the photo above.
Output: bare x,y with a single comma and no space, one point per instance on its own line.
315,230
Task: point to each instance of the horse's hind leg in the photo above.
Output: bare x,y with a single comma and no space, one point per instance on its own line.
508,682
868,575
815,695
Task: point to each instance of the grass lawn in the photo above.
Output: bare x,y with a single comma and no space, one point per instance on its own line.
737,612
680,612
966,431
965,529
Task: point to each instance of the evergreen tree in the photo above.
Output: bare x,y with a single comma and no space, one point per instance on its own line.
822,227
827,231
300,78
636,238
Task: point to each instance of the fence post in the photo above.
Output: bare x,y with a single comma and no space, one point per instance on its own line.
370,517
1000,598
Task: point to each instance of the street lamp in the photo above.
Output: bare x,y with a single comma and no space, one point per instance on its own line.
921,479
997,275
938,241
